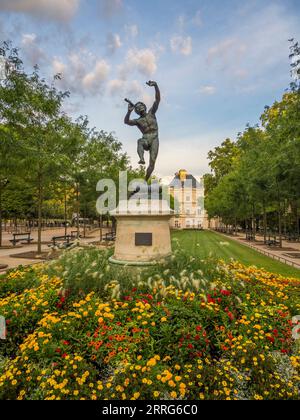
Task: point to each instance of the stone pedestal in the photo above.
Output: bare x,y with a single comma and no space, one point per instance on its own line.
143,232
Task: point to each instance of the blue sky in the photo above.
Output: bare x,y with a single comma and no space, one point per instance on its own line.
218,63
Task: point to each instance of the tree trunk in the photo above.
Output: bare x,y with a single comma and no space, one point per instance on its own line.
101,229
284,219
0,217
279,224
78,209
40,203
66,228
253,223
265,223
297,220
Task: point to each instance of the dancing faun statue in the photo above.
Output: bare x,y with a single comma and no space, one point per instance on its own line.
147,123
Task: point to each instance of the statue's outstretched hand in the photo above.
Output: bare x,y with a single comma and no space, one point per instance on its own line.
151,83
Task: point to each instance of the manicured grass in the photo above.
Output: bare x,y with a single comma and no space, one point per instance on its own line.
204,244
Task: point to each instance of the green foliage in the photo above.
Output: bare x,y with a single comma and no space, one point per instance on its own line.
259,174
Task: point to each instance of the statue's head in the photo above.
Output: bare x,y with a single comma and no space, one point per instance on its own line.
140,108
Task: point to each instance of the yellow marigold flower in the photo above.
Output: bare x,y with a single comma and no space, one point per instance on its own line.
173,394
164,319
151,362
156,394
136,395
172,384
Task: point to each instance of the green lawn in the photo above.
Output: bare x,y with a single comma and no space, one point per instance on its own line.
203,244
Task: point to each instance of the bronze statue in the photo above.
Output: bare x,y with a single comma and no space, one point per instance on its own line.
147,123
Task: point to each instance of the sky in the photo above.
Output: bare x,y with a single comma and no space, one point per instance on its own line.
217,62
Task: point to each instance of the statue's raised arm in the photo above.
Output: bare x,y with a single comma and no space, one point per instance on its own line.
155,106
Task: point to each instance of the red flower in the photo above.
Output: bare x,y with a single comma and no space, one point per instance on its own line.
64,355
58,351
224,348
225,293
230,315
66,343
271,339
199,328
190,346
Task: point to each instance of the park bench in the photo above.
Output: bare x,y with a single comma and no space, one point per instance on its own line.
74,234
18,237
293,238
66,240
110,236
272,242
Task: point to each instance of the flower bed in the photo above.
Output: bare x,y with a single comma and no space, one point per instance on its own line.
185,330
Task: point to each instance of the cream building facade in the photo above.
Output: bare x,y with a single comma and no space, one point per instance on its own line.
188,194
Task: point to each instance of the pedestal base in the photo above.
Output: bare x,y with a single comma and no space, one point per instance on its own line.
142,238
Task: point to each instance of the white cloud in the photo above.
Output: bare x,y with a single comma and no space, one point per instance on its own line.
62,10
82,73
59,66
255,50
227,51
113,43
132,89
208,90
182,45
93,81
33,53
116,87
144,61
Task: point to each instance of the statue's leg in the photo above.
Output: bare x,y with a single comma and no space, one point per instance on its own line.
141,151
153,156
